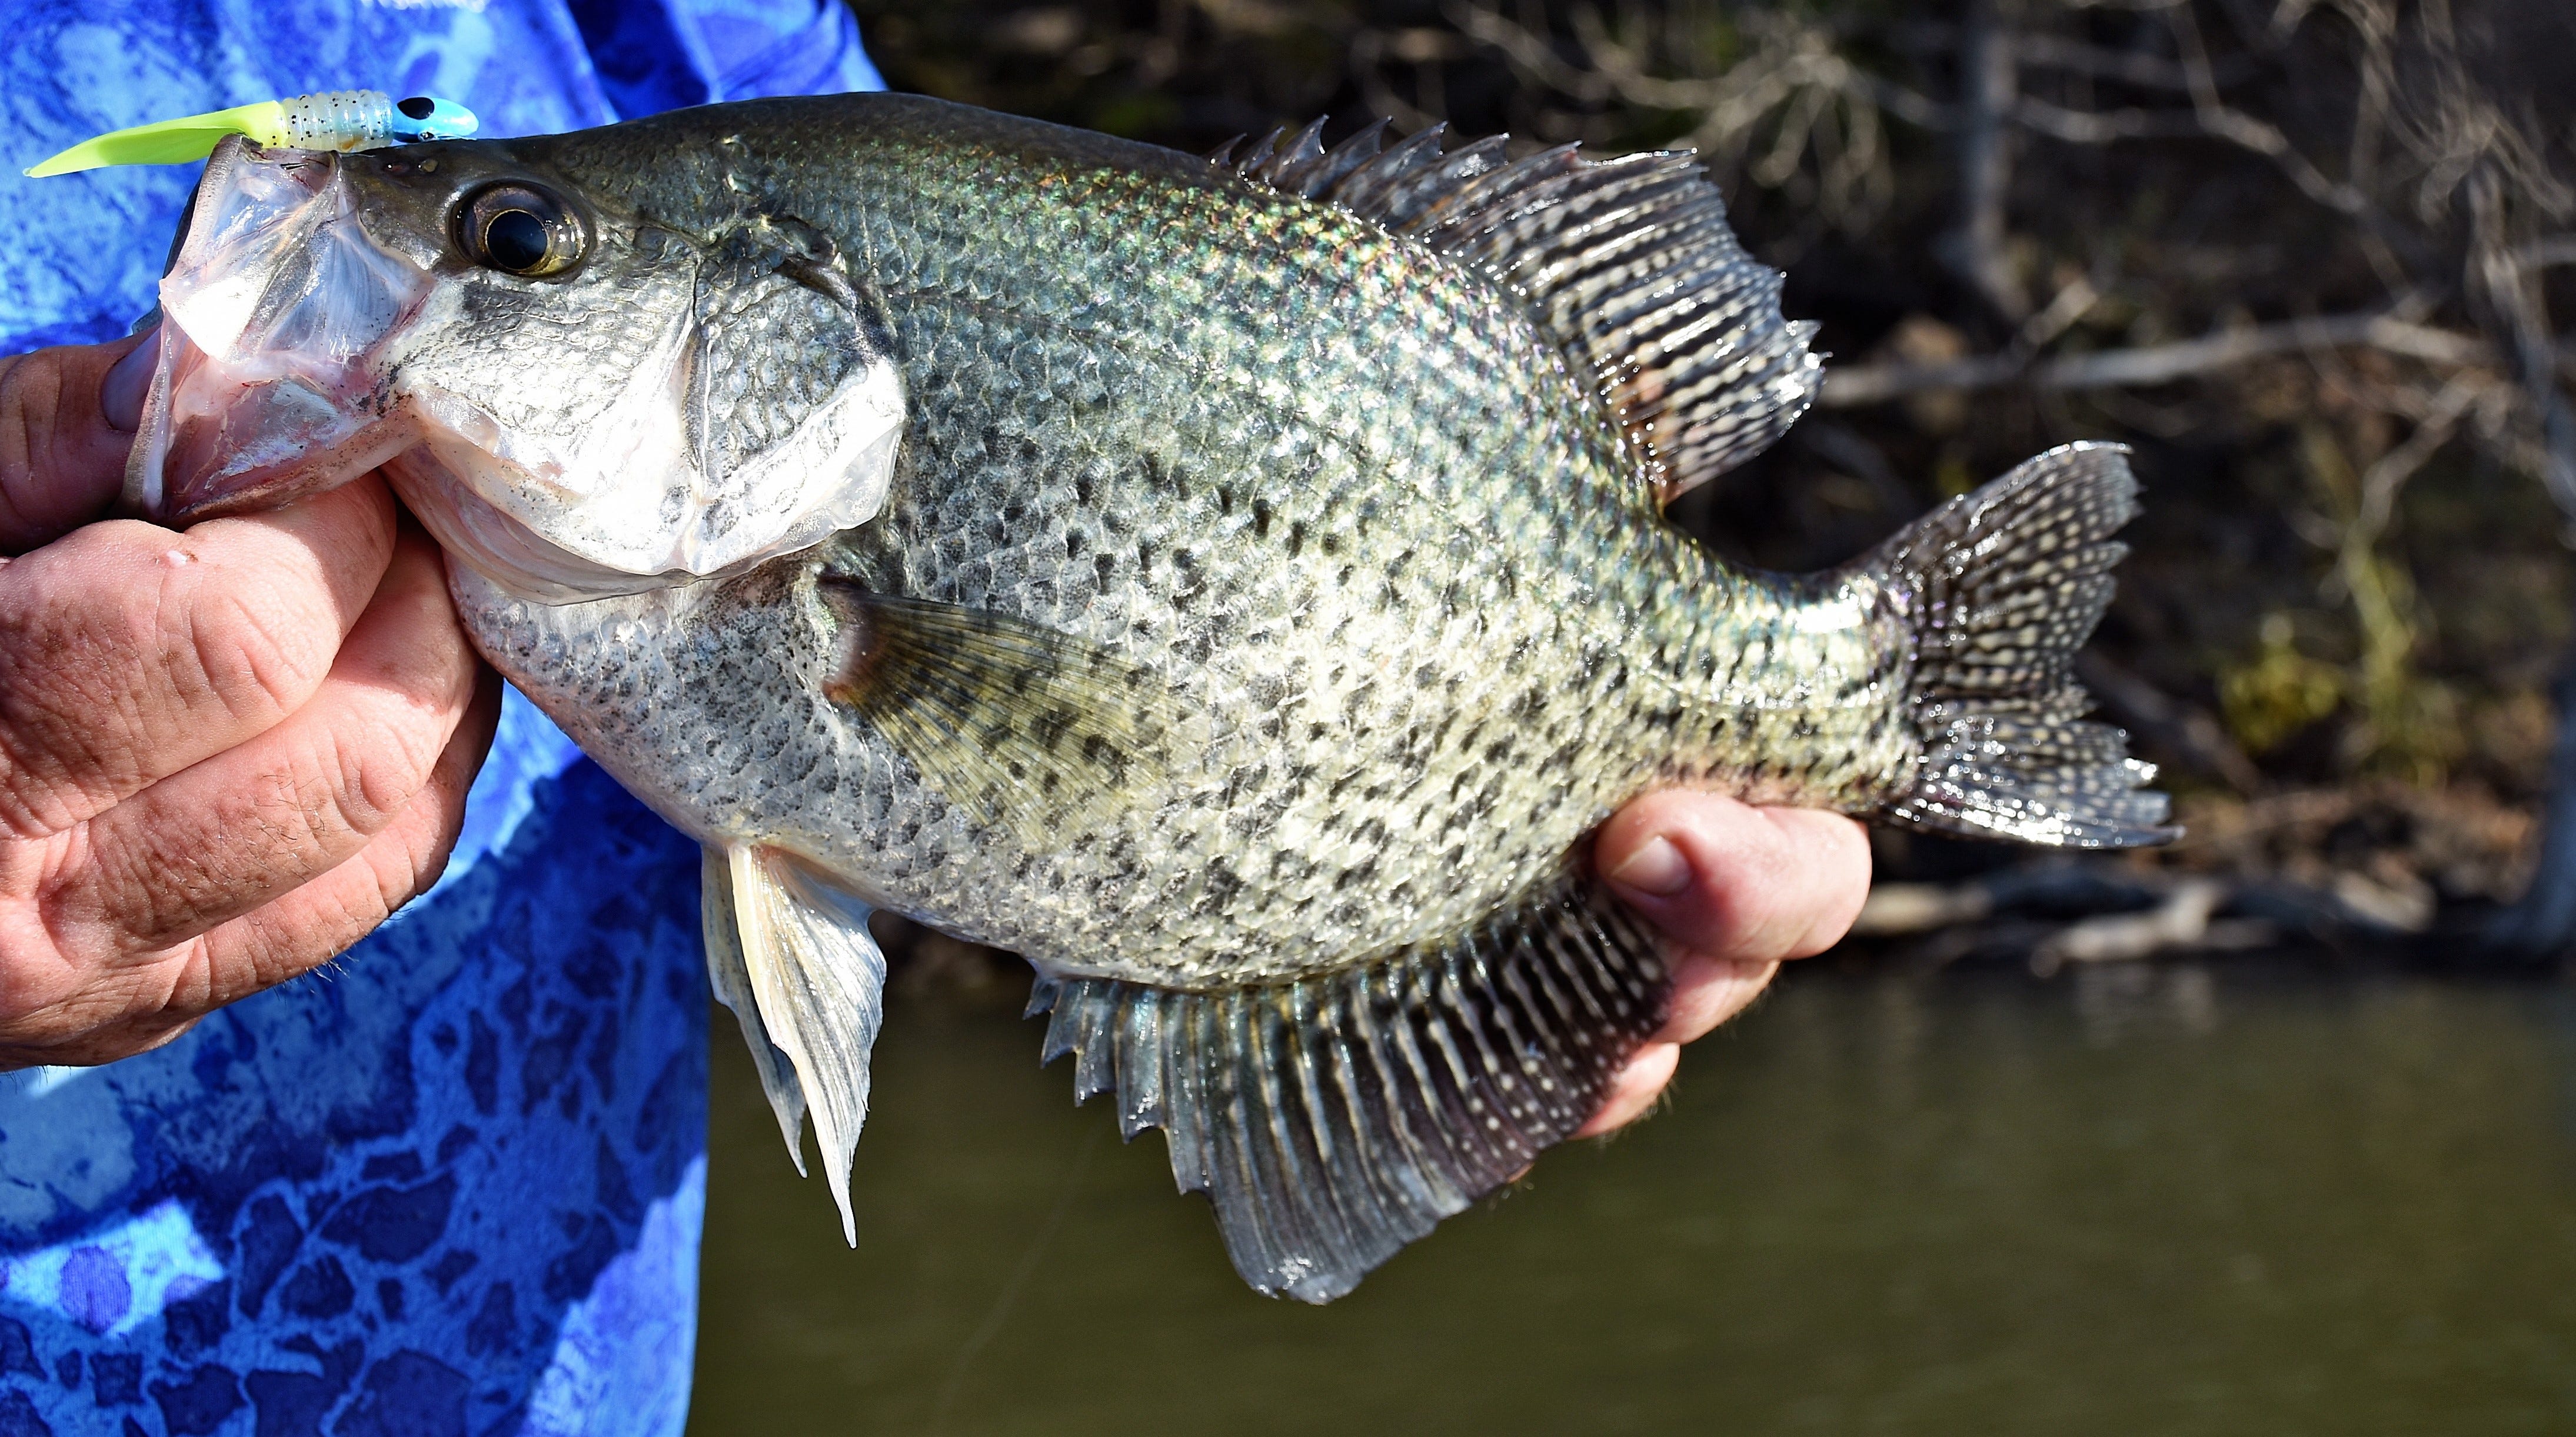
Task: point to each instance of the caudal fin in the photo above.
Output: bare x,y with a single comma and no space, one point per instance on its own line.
2002,586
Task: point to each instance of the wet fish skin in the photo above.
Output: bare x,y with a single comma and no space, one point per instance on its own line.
1342,493
1267,597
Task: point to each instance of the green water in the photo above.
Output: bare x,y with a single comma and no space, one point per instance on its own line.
2140,1202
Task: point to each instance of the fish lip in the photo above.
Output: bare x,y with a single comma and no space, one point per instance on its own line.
250,491
275,308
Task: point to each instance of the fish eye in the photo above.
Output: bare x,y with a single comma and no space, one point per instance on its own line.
520,229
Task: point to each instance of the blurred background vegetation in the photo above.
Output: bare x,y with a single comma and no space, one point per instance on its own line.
2311,258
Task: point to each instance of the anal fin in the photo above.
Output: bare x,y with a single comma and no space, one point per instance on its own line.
1334,1119
794,961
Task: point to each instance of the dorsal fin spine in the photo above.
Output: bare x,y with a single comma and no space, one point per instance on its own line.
1627,263
1302,147
1363,191
1345,157
1257,159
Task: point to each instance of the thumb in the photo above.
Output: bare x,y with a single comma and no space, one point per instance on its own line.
62,456
1730,881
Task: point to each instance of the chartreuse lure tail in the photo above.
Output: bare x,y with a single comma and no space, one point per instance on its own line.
337,120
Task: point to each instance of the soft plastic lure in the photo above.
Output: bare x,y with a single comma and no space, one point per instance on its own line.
337,120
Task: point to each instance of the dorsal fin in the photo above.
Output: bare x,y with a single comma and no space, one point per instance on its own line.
1627,262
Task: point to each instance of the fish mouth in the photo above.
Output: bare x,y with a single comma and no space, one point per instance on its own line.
274,313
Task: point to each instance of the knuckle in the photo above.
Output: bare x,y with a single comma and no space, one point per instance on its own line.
150,890
378,768
249,654
123,657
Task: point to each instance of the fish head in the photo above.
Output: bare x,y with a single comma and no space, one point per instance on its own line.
575,399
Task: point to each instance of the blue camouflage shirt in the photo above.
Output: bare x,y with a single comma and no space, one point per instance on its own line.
453,1183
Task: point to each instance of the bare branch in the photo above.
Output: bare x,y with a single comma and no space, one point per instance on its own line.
1791,95
1535,57
2034,50
1852,386
2061,313
2129,67
2102,127
1988,88
2380,483
2519,320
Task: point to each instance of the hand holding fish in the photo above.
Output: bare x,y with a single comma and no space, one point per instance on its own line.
225,755
1736,890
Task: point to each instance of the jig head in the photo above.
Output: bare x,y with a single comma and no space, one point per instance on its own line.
336,120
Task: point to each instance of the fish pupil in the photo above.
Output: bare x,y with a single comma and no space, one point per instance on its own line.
516,241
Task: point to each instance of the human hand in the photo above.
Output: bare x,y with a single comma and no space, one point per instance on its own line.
225,754
1736,889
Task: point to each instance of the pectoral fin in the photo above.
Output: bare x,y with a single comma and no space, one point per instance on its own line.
1020,725
796,964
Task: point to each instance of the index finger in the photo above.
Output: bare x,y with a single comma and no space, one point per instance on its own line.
129,652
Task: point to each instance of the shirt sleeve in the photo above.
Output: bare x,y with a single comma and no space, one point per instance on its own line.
654,55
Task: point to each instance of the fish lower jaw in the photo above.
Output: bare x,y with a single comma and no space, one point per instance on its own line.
221,438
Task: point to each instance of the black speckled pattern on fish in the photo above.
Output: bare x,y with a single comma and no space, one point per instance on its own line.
1270,598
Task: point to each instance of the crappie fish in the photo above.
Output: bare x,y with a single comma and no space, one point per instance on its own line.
1238,585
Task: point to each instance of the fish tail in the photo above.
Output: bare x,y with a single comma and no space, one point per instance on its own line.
2000,587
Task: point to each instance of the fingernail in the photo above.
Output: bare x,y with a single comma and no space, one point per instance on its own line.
120,395
1657,868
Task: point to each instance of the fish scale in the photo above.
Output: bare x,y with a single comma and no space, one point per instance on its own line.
1266,598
